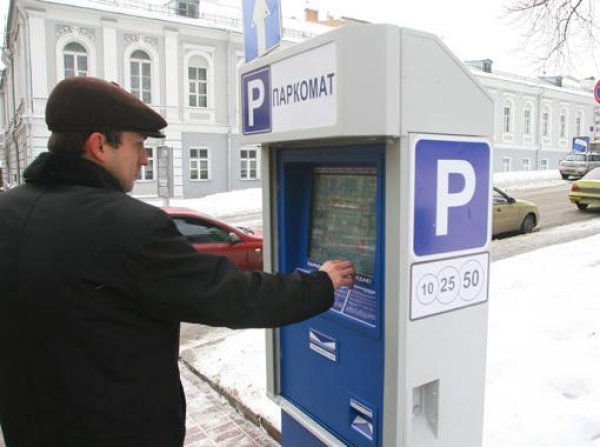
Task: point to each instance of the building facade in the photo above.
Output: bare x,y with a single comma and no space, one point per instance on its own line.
183,59
535,119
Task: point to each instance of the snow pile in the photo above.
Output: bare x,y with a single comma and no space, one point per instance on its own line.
543,373
226,204
522,180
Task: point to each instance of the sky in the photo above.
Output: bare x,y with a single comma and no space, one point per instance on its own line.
472,29
543,358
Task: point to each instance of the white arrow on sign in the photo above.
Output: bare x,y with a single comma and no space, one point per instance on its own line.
261,11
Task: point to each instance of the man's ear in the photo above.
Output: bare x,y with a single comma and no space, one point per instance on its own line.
95,147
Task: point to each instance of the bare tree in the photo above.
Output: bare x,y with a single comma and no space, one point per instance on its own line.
559,32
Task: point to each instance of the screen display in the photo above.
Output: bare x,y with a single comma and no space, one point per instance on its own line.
343,220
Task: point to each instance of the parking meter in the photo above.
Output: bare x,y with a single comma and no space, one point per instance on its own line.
376,148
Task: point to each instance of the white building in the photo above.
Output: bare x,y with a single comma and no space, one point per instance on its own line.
183,59
535,119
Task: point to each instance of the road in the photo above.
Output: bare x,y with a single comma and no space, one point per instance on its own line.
555,211
554,205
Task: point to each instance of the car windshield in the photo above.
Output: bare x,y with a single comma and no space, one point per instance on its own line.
594,174
575,157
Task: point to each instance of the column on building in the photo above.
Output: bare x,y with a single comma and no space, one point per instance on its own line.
109,43
173,109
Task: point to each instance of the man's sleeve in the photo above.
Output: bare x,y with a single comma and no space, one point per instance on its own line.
178,283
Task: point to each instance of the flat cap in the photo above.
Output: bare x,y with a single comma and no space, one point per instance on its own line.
84,104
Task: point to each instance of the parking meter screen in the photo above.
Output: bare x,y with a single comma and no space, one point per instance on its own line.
343,223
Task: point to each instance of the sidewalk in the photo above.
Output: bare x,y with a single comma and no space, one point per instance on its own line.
212,421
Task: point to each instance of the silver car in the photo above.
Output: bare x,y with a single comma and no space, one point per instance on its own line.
577,164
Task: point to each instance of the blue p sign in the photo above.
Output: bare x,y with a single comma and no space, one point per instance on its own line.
451,196
256,101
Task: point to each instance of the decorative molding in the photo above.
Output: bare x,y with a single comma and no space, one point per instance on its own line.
75,31
129,39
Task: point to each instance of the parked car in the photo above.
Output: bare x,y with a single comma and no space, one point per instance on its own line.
578,164
512,215
586,191
210,235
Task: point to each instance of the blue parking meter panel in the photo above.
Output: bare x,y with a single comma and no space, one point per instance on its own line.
451,196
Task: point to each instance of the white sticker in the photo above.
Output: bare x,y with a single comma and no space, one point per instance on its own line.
449,284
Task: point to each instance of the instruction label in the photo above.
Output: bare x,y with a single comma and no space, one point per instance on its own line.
449,284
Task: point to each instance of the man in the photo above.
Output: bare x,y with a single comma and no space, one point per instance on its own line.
95,284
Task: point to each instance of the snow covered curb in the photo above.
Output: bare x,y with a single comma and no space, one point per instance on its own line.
519,181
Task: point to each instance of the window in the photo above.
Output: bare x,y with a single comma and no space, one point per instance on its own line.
147,172
506,162
200,232
546,123
199,164
562,124
544,164
498,198
249,164
197,84
579,124
526,164
75,59
527,120
187,8
141,78
507,118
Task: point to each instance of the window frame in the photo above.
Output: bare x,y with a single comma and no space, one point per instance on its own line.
76,55
141,92
151,154
197,84
154,68
194,164
508,119
247,162
85,42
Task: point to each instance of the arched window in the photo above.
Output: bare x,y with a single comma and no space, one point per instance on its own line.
562,123
546,117
506,118
140,66
528,119
579,124
197,82
75,59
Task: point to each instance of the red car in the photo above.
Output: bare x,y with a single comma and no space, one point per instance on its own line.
209,235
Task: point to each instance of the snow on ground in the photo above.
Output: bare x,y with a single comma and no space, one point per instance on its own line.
522,180
543,366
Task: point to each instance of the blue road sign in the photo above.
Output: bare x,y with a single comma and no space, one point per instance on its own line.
256,101
451,196
597,92
262,26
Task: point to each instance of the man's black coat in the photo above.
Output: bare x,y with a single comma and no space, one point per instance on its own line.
94,284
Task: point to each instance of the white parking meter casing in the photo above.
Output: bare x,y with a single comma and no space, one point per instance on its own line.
376,146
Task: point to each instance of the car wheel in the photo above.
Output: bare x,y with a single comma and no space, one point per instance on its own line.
582,206
564,176
528,224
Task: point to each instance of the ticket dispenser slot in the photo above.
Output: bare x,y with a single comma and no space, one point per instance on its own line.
331,206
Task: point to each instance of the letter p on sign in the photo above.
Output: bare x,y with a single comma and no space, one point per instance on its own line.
451,195
446,199
256,101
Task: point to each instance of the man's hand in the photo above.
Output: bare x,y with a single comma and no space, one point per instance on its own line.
340,271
